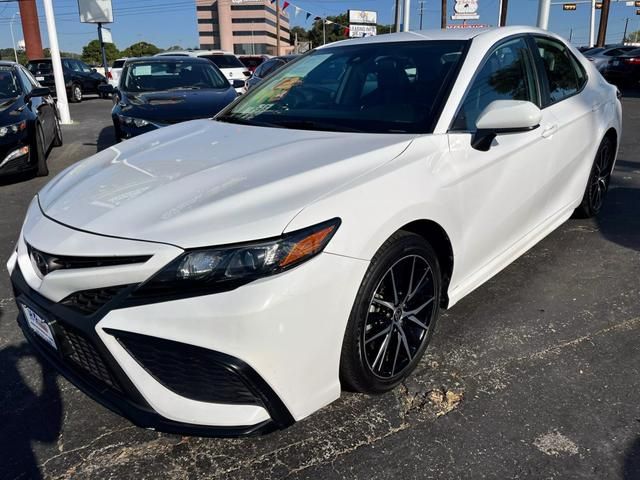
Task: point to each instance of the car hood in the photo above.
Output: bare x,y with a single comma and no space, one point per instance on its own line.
205,182
177,106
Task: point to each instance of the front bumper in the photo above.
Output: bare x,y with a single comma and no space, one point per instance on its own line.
280,337
14,155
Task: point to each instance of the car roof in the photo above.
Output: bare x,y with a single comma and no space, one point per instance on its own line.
439,34
7,63
164,58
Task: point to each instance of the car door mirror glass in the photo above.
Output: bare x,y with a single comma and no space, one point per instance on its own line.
503,117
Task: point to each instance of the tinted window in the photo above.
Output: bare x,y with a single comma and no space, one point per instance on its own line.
224,61
384,88
9,86
251,62
118,64
271,67
40,66
564,75
27,84
83,67
171,75
505,75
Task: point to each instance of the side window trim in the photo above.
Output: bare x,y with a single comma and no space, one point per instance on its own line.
532,65
572,59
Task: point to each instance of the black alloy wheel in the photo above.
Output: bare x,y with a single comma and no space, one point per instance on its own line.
394,315
599,181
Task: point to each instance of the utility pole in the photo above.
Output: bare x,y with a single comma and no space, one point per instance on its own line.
31,29
406,11
544,6
443,14
626,26
504,5
396,19
278,27
421,3
570,34
13,39
56,63
604,19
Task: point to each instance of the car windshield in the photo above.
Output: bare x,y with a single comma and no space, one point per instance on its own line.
224,61
375,87
251,62
594,51
41,67
172,75
9,87
633,53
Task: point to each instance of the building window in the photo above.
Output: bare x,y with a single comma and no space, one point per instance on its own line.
253,49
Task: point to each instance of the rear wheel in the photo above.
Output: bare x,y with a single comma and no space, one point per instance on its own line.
599,180
393,317
76,93
57,138
39,157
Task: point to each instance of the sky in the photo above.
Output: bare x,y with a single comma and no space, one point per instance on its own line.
173,22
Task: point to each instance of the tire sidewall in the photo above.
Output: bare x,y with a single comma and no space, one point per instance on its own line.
588,207
353,348
76,93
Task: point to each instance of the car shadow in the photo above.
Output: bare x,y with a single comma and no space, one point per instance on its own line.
631,467
619,221
16,178
31,410
106,138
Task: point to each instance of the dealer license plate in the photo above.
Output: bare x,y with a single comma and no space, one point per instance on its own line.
39,325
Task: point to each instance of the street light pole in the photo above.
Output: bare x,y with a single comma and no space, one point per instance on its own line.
544,6
61,92
13,40
592,25
406,11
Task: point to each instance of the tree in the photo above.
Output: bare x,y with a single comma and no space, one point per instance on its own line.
633,37
141,49
302,34
333,29
173,48
92,54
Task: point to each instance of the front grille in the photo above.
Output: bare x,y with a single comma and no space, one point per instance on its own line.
193,372
80,351
88,302
47,262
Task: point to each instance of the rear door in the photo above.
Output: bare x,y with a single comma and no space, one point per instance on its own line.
573,109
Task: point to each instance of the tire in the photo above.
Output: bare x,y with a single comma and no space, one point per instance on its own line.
117,131
76,93
39,155
599,179
57,138
381,316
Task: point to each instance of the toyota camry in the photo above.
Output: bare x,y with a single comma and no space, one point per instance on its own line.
233,275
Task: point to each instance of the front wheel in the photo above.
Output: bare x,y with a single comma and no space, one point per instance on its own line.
393,317
76,93
599,180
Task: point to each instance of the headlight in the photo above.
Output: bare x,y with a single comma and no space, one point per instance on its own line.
15,128
210,270
130,121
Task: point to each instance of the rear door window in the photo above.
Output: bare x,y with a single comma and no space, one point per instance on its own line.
561,72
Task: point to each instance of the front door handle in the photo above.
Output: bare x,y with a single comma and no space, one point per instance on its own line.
549,131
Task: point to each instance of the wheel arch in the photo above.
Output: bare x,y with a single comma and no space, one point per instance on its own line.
439,239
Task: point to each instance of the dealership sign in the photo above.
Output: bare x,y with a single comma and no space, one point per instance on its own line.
362,31
465,10
363,16
95,11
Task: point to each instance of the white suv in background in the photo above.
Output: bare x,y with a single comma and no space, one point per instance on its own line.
228,63
113,76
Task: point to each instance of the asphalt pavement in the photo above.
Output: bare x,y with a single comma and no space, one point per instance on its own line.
534,375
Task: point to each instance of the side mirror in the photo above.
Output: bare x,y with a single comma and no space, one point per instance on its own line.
504,117
106,89
93,70
39,92
237,83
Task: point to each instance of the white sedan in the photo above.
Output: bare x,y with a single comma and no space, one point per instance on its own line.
232,275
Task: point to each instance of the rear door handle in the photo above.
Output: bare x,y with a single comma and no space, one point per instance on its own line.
549,131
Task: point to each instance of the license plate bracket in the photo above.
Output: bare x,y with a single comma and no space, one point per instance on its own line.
39,325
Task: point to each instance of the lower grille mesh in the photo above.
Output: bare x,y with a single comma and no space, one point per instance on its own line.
83,354
90,301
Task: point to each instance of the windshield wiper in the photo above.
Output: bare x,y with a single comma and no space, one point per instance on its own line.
244,121
316,125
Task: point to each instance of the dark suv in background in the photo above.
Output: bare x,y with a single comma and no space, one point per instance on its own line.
79,78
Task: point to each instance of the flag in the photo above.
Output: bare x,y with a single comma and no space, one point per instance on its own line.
285,4
308,15
297,11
